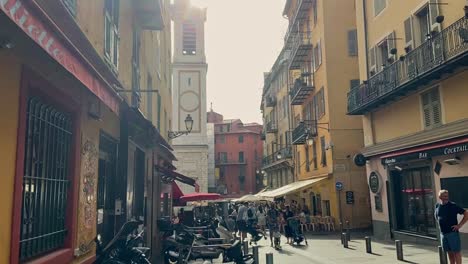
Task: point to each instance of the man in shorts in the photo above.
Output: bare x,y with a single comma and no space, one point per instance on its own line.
242,221
446,213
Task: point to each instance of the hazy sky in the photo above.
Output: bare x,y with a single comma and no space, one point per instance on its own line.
243,39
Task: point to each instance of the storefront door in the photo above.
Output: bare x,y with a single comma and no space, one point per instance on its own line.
106,212
414,193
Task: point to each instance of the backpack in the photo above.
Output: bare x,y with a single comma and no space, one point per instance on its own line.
250,213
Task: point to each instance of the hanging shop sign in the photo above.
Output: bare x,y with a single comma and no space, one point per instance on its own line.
375,182
22,14
349,197
359,160
427,154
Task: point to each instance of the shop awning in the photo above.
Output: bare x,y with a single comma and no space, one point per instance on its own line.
176,176
290,188
200,197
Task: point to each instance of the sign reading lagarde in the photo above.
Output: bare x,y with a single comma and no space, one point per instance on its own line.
375,182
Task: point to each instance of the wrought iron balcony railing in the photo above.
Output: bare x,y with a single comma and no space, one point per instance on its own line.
300,50
442,53
301,13
285,153
302,88
305,129
271,127
270,101
226,162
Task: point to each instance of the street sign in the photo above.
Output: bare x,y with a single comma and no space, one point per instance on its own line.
339,186
349,197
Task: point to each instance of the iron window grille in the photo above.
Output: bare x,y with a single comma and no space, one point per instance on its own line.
45,180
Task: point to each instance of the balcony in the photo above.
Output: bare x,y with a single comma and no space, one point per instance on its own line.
271,127
305,129
442,54
300,50
273,159
228,162
301,13
149,14
270,101
301,89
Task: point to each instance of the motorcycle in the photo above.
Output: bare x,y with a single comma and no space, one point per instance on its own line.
181,246
123,248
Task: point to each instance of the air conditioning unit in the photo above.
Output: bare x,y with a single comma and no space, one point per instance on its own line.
454,161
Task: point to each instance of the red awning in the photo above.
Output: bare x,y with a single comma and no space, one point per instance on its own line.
176,176
425,147
200,197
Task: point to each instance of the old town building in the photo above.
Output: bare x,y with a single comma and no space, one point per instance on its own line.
412,99
85,145
322,65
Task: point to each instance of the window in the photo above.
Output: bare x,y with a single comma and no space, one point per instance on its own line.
372,61
423,23
46,174
149,102
136,95
71,6
222,172
352,43
314,9
314,152
242,170
320,101
324,151
222,139
326,204
379,6
222,156
414,194
382,54
241,139
431,108
409,33
111,33
159,111
241,157
317,56
189,38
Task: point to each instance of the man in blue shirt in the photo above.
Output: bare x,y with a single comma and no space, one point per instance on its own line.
446,213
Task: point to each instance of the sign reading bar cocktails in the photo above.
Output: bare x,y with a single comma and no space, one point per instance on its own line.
426,154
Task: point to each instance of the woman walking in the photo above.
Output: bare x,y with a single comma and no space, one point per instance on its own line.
261,218
287,230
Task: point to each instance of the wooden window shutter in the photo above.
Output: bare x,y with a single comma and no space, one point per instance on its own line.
435,107
433,13
391,44
409,32
352,43
319,45
426,106
372,60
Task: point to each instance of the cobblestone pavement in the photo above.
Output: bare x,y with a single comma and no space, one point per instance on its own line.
327,249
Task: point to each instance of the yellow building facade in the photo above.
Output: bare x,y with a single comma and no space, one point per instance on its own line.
413,57
277,164
322,65
83,113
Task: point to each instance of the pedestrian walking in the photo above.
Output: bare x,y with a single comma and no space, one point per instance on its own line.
242,221
287,230
261,218
446,213
273,221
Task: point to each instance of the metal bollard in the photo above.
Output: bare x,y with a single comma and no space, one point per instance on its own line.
341,227
442,256
342,238
269,258
255,254
246,247
348,232
368,245
399,249
345,241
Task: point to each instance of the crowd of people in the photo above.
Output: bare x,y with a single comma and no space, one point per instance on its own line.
273,216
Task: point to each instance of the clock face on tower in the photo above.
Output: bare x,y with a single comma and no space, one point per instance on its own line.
189,101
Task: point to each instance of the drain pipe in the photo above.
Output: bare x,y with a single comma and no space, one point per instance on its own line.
366,42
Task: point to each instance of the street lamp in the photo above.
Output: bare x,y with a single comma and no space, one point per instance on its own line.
279,155
188,126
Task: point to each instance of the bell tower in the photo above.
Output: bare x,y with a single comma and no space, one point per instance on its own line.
189,69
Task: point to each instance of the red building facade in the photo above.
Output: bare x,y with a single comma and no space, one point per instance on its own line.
238,156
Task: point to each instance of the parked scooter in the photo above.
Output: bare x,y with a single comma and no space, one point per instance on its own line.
123,248
182,245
